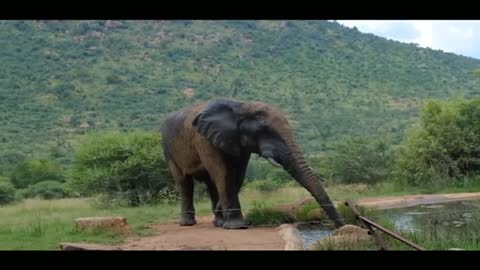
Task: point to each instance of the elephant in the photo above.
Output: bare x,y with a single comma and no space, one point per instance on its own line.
212,141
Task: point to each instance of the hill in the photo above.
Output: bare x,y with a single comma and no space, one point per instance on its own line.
60,79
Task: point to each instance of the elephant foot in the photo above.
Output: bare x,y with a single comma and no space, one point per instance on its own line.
235,224
218,221
188,220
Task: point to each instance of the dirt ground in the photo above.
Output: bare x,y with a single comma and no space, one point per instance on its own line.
204,236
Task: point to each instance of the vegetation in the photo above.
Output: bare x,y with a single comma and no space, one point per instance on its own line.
45,190
445,147
359,160
37,170
82,101
128,167
7,193
60,79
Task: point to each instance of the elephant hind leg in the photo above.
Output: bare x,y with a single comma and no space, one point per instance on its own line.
214,198
185,187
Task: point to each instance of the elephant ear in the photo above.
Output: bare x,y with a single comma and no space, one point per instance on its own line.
219,124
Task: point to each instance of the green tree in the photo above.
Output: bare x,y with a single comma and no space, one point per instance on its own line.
33,171
46,190
359,159
125,166
444,146
7,193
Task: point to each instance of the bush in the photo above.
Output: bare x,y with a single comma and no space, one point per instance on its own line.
46,190
7,193
5,179
264,185
444,148
34,171
360,160
261,215
122,166
259,168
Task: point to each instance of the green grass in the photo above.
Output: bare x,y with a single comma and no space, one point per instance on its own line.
35,224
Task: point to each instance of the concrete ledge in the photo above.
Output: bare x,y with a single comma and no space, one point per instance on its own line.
118,224
80,246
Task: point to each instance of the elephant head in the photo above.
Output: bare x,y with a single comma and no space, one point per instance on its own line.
238,127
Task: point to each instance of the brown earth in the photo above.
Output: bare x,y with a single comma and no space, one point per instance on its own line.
204,236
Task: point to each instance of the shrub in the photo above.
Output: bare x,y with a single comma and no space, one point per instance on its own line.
46,190
124,166
37,170
7,193
444,147
264,185
261,215
360,160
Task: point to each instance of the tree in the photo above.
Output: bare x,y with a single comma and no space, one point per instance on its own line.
125,166
445,146
37,170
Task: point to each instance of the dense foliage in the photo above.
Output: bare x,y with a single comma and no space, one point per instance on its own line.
444,146
46,190
7,192
364,159
129,167
60,79
37,170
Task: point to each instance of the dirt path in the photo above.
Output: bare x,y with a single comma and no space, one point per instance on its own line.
413,200
204,236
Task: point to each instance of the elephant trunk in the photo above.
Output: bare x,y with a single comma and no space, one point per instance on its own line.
293,161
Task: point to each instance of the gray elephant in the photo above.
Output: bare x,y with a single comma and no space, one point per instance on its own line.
212,143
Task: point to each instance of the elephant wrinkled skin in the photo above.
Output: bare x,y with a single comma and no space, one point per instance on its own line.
212,142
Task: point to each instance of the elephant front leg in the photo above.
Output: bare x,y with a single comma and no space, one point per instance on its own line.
218,221
231,209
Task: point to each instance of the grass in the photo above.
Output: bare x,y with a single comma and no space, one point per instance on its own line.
36,224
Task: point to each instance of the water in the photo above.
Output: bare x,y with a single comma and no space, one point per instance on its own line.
311,234
453,214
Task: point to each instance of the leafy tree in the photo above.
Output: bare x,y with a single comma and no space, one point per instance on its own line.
444,146
36,170
126,166
362,159
46,190
7,193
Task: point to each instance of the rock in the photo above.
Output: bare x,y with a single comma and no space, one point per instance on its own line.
189,92
81,246
347,237
118,224
350,229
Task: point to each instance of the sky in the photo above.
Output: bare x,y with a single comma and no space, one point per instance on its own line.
459,37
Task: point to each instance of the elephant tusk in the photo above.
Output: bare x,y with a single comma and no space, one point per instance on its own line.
273,162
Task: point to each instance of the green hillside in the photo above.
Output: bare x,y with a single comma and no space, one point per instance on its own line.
61,79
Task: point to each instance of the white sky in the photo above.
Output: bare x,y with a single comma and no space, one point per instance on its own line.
459,37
